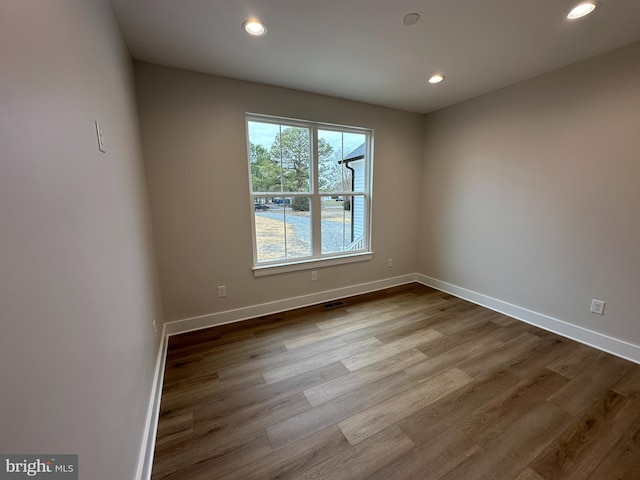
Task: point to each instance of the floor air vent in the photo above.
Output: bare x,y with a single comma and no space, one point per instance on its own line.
336,304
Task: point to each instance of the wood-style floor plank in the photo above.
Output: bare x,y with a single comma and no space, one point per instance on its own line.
576,361
295,459
508,354
528,474
622,462
279,357
388,412
583,446
430,460
382,352
456,407
254,398
346,383
282,372
586,388
405,383
299,426
198,457
364,459
495,417
507,455
468,350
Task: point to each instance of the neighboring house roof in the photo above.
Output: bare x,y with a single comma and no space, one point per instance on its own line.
356,154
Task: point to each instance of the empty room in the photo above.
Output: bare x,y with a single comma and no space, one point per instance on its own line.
344,239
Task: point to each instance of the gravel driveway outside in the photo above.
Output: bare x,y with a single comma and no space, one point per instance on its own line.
335,227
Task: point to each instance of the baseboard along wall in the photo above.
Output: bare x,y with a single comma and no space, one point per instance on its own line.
593,339
145,458
245,313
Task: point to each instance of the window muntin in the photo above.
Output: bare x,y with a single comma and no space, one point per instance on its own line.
310,188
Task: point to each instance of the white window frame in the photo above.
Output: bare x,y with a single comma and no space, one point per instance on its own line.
317,259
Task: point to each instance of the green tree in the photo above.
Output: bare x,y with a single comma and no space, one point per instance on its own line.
265,172
286,166
291,147
300,204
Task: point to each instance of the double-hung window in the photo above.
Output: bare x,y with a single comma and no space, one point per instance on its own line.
310,193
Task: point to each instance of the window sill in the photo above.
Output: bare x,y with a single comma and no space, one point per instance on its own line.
265,270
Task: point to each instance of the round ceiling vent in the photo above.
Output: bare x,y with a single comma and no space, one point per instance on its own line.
410,19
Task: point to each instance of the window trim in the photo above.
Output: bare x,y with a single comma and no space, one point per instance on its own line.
317,259
311,263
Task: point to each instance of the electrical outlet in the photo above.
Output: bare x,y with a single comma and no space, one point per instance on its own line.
390,262
314,276
155,328
597,307
222,291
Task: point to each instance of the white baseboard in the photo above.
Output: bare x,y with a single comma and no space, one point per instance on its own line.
245,313
145,458
597,340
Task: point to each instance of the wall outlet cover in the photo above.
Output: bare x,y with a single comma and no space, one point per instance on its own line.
597,307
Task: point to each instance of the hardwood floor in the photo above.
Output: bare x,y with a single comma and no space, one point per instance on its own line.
409,383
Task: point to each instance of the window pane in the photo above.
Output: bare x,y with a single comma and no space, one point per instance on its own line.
265,168
270,229
335,225
297,217
292,149
283,228
342,223
337,154
358,209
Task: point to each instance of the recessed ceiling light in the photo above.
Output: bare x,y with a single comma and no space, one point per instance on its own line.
582,9
254,27
437,78
410,18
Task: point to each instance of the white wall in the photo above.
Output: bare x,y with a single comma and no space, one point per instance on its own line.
77,275
193,131
531,194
